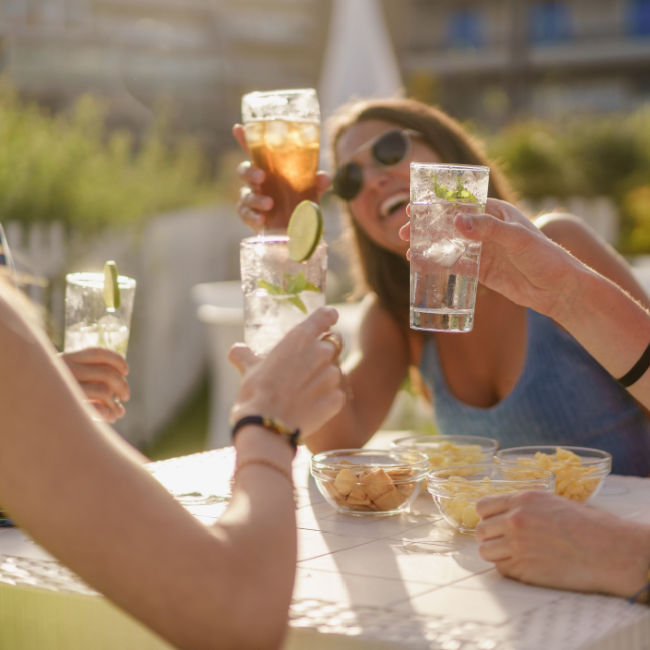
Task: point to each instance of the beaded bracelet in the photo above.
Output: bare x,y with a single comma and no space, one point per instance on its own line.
268,463
644,590
637,371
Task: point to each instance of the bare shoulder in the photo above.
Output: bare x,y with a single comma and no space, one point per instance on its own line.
573,234
566,229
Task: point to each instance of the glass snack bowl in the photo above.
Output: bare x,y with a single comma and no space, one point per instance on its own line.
445,451
579,471
369,481
456,490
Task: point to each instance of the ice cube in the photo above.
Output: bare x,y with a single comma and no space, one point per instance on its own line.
309,133
276,133
445,252
254,132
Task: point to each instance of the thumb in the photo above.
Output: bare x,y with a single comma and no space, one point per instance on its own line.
473,226
242,357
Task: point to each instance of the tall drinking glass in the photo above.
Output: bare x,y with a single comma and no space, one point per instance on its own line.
278,292
444,264
88,321
283,135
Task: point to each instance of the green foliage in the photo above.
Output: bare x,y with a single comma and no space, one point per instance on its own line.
588,156
69,168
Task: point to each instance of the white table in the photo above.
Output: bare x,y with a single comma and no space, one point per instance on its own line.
394,582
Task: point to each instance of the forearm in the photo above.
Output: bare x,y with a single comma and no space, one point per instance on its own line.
609,324
259,526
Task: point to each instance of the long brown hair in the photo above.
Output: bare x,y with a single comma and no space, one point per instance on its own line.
384,272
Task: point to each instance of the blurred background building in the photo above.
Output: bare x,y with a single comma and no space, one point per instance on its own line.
491,59
485,60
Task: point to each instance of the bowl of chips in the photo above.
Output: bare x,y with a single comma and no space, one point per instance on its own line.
369,481
579,471
456,490
445,451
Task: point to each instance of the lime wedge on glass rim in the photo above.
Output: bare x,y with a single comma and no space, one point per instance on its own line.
305,230
112,298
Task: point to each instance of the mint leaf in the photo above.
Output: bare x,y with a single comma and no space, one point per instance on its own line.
293,285
295,300
273,289
460,194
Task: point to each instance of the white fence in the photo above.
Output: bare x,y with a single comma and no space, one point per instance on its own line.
172,253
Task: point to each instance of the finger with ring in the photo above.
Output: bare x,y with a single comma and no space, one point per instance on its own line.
335,340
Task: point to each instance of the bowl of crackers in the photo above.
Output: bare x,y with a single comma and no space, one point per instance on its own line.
445,451
457,489
579,471
370,482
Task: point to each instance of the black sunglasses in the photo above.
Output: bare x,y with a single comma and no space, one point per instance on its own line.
387,150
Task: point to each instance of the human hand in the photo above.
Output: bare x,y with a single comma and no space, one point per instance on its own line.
253,206
101,374
517,259
547,540
299,381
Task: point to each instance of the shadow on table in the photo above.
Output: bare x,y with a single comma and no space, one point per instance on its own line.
356,574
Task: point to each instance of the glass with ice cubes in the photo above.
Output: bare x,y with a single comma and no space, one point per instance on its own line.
444,264
278,292
89,322
282,130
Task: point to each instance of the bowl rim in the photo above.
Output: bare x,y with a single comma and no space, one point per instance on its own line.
594,456
547,482
441,437
321,462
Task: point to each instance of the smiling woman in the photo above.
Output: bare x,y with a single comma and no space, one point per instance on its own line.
516,377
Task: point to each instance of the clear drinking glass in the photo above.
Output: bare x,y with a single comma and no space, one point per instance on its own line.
88,322
444,264
283,135
278,292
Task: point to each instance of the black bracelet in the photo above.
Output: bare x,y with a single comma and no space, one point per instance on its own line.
638,369
644,590
276,426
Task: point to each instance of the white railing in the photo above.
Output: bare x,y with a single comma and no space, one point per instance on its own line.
172,253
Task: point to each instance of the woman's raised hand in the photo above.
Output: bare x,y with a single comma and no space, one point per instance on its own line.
253,206
299,381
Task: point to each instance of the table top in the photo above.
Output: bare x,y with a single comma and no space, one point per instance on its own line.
406,581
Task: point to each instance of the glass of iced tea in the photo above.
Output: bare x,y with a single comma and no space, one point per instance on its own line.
283,135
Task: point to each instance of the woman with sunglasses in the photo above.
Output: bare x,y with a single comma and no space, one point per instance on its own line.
517,376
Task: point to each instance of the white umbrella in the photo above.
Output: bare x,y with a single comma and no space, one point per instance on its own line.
359,60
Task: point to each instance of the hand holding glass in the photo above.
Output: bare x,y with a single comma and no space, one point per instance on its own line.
444,264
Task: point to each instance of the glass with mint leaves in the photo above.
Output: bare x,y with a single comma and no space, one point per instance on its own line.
283,278
444,264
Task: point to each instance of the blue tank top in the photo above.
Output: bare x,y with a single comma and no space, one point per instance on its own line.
563,397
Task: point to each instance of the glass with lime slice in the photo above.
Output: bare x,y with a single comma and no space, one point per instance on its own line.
98,308
283,278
